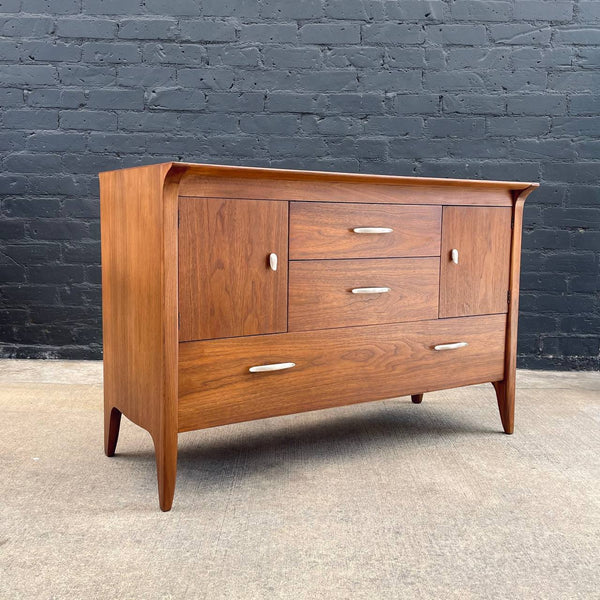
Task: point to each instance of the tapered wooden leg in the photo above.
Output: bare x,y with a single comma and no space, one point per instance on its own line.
166,469
417,398
112,423
505,394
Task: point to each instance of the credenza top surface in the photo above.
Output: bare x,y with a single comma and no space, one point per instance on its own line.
184,169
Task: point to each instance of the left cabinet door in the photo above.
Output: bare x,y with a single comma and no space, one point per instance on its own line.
229,283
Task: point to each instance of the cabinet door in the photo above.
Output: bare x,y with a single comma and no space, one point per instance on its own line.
227,283
475,260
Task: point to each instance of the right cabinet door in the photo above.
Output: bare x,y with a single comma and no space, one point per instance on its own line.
475,260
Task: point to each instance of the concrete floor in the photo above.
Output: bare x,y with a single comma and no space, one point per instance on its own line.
375,501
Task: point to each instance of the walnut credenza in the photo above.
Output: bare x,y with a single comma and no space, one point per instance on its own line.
236,293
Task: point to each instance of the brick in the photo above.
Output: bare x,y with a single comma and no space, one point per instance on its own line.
295,102
479,10
110,53
171,53
268,124
213,78
589,11
536,58
396,126
354,56
26,26
30,119
390,81
452,81
330,33
115,7
576,126
520,33
86,28
207,31
586,36
477,58
28,75
300,58
235,102
356,103
147,29
578,81
55,98
474,104
79,75
186,8
31,163
537,104
417,104
456,127
464,35
231,8
116,99
361,10
269,33
291,9
415,10
144,76
393,33
232,56
177,99
543,10
88,120
518,126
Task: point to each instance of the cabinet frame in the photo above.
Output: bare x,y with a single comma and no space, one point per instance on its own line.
139,232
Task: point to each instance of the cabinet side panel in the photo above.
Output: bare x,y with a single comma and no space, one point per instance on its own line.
133,293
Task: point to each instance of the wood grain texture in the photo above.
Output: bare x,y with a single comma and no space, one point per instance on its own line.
505,389
333,368
344,190
319,230
320,294
478,284
139,306
226,287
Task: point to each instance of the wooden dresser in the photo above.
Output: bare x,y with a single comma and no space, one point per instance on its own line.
236,293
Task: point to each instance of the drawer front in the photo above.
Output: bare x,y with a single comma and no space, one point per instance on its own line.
335,230
333,368
339,293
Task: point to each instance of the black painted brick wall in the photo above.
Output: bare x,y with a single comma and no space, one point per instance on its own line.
464,88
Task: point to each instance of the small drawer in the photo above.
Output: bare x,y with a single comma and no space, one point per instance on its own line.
339,293
345,230
240,379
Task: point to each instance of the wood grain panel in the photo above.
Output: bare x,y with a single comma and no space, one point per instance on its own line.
226,287
320,292
478,284
333,368
138,211
345,190
319,230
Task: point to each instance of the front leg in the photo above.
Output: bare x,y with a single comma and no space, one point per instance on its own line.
417,398
166,468
112,424
505,394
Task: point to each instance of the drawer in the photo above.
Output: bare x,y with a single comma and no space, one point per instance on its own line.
336,230
333,367
338,293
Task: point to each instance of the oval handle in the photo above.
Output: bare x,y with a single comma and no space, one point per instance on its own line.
371,290
454,256
372,230
273,261
453,346
273,367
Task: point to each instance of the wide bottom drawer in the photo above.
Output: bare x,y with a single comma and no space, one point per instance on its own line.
333,367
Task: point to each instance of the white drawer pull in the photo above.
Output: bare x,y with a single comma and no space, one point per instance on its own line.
372,290
273,261
273,367
450,346
454,256
372,230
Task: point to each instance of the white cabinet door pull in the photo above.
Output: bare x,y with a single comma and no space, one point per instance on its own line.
371,290
454,256
273,367
453,346
273,261
372,230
